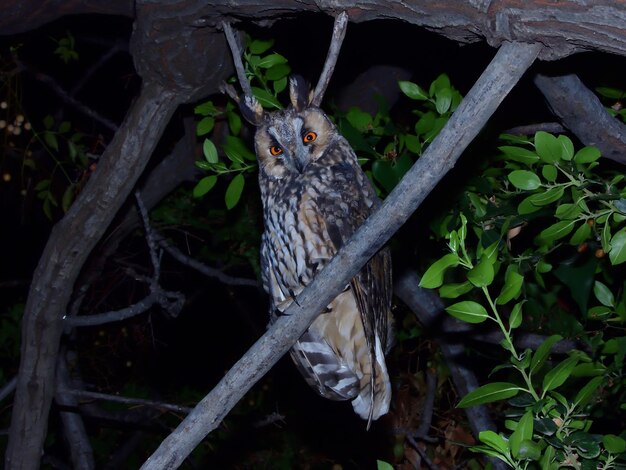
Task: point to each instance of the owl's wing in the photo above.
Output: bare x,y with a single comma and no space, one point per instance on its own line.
344,209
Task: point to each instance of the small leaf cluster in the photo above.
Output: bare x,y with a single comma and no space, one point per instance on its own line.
616,97
268,74
392,149
66,48
66,149
544,182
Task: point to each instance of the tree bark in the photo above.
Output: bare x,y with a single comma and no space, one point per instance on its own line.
71,241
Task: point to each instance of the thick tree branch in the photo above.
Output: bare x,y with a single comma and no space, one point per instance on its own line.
582,113
505,70
69,245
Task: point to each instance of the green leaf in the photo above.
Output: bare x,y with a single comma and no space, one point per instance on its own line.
587,392
51,140
271,60
412,90
614,444
204,186
210,151
567,147
413,143
440,83
234,190
68,197
48,122
64,127
205,109
381,465
567,211
603,294
512,287
278,72
579,280
529,450
608,92
587,155
433,277
452,291
259,46
549,172
234,122
519,154
515,319
548,458
547,197
361,120
481,275
581,234
556,231
265,98
524,179
617,255
489,393
468,311
384,174
523,432
495,441
548,147
280,85
205,125
557,376
527,207
542,353
237,150
443,99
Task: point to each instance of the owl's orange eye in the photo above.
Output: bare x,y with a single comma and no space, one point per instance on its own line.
309,137
274,150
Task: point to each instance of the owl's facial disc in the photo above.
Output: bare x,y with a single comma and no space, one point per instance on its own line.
292,142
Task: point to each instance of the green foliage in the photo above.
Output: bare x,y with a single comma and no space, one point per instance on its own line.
615,98
66,48
569,204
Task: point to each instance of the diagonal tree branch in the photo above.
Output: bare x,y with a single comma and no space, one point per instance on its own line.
574,104
509,64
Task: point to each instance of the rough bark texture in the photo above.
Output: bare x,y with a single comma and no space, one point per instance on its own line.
564,27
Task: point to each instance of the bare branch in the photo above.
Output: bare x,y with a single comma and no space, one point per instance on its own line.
581,111
236,51
204,269
494,84
115,315
8,388
339,32
87,395
74,428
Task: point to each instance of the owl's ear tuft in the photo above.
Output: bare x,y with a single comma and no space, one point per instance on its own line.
251,110
298,92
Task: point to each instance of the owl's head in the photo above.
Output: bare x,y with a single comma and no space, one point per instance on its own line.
287,141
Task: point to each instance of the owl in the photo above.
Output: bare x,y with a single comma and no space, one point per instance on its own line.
314,197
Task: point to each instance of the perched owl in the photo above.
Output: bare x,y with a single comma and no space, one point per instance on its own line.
315,196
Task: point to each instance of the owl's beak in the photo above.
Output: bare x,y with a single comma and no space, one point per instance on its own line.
301,158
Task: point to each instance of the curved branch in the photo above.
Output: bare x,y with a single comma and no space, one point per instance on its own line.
506,68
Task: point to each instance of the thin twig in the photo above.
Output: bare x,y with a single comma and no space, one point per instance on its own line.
87,395
115,315
236,51
339,32
429,463
203,268
8,388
